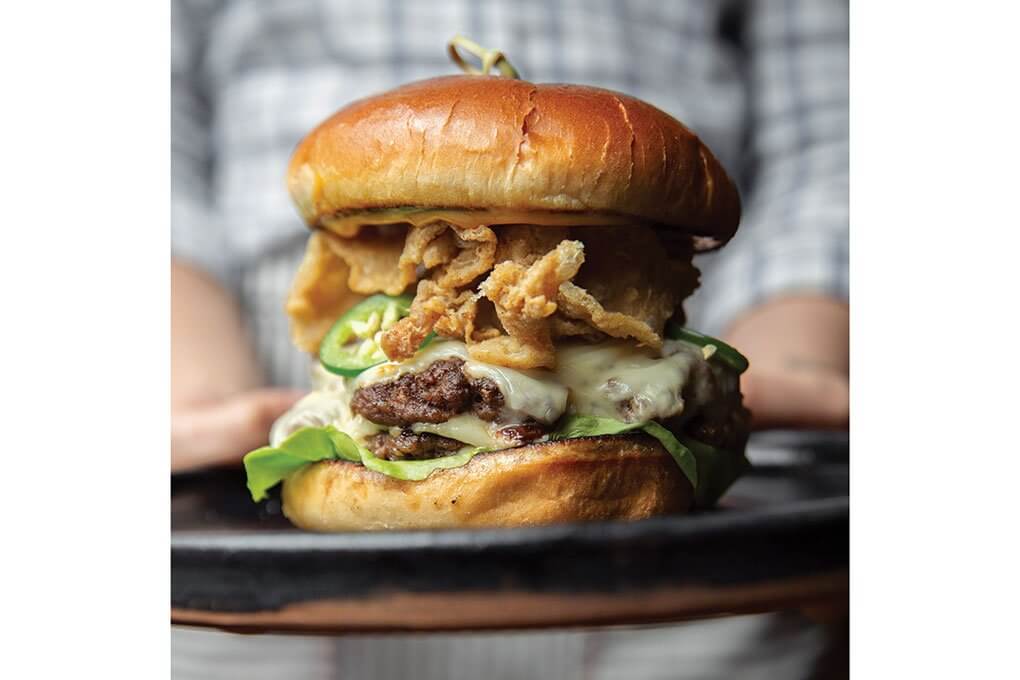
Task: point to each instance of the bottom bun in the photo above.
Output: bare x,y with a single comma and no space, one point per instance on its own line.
592,478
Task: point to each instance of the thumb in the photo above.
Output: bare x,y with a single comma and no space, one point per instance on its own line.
222,432
796,399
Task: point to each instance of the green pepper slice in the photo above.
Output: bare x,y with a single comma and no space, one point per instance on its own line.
723,352
351,346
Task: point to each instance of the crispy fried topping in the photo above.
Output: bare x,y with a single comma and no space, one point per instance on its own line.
319,294
507,291
477,256
525,298
634,276
373,259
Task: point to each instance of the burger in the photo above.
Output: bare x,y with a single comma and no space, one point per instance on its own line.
492,292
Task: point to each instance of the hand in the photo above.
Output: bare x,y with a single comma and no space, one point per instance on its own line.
218,412
798,348
221,432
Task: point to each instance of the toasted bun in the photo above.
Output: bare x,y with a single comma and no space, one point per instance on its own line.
612,477
497,144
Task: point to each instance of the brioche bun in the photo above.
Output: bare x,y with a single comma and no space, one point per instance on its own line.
514,149
593,478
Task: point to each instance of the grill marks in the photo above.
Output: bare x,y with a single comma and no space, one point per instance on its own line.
408,445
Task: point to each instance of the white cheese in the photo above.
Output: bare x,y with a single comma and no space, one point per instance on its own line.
466,428
617,380
327,404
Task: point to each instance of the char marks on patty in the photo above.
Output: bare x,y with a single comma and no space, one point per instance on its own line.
434,395
410,445
523,433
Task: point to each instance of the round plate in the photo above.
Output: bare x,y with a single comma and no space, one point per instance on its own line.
778,540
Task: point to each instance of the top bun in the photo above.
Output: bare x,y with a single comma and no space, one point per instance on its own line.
498,144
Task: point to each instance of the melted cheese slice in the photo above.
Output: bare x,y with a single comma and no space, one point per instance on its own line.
618,380
467,428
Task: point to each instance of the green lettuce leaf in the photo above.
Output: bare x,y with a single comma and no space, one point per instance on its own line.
710,470
268,466
572,427
717,470
417,470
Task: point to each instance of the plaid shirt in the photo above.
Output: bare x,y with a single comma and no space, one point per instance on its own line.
765,84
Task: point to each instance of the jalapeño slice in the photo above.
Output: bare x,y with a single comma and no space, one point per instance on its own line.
723,352
352,345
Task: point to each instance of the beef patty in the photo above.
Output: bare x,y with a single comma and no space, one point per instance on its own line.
725,431
410,445
434,395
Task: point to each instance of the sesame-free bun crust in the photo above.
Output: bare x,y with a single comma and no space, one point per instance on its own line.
594,478
510,147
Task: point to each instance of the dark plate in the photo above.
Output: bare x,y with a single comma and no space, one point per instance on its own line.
778,540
